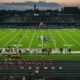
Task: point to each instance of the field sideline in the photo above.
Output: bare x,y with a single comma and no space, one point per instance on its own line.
29,38
45,57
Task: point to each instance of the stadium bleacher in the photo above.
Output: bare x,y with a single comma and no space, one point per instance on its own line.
32,19
33,69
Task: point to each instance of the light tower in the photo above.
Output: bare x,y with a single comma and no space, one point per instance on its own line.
34,7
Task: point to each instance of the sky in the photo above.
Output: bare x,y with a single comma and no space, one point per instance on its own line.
58,1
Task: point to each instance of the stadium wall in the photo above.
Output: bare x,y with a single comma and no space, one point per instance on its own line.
36,25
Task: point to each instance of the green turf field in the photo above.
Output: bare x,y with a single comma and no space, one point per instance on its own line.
45,57
29,38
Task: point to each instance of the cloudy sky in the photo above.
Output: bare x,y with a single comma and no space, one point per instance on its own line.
58,1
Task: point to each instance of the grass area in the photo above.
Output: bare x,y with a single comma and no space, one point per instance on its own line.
29,38
47,57
52,57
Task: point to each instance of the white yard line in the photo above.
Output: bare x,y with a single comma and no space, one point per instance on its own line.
76,34
62,38
42,40
32,39
23,37
73,39
5,36
52,39
11,39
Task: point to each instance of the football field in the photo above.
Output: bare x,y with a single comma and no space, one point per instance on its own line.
31,38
